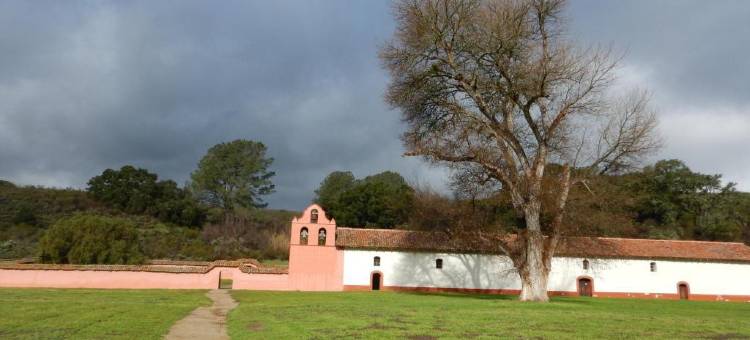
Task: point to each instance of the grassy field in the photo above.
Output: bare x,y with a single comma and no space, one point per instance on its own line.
93,314
225,284
431,316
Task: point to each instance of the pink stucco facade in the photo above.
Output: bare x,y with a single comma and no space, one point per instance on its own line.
317,265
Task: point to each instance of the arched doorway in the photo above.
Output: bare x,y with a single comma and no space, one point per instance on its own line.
684,291
376,280
585,286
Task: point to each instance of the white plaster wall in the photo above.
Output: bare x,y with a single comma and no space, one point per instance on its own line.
407,269
418,270
635,276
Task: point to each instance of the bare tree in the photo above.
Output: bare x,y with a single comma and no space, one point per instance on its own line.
496,88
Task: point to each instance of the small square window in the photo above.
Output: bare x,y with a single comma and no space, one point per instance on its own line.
585,264
439,263
376,261
653,266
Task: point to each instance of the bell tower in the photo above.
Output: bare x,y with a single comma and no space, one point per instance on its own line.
314,261
313,228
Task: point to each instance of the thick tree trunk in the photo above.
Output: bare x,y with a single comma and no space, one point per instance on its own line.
534,272
533,269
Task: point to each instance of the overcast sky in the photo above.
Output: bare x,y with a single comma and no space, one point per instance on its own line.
86,86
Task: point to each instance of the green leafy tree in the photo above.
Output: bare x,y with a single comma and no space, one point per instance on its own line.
383,200
138,191
234,174
177,205
91,239
743,212
328,195
131,190
686,204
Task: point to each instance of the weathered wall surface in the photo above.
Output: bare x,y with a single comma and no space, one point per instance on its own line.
494,274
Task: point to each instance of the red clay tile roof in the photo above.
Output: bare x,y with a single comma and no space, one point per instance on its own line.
665,249
409,240
357,238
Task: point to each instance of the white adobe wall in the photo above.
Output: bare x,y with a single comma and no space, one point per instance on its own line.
408,269
635,276
418,270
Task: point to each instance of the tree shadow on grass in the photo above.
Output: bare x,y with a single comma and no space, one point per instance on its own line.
465,295
502,297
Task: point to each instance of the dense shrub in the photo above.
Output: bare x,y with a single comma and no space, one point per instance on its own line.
26,211
19,241
163,241
91,239
256,233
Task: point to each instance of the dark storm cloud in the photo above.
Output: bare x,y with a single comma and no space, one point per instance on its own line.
155,85
698,48
96,85
693,57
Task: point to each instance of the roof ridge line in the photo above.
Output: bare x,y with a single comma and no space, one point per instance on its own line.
659,240
588,237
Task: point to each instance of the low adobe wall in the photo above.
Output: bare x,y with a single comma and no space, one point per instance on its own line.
175,275
107,279
258,281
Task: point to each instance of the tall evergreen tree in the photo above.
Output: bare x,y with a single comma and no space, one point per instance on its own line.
234,174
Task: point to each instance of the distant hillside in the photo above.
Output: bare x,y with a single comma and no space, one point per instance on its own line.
39,206
27,211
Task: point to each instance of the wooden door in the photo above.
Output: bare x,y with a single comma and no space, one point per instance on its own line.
375,285
585,287
683,291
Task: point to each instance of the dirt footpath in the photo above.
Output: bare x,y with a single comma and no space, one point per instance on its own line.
205,322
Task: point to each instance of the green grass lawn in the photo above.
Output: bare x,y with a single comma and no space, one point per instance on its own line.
378,315
93,314
225,284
